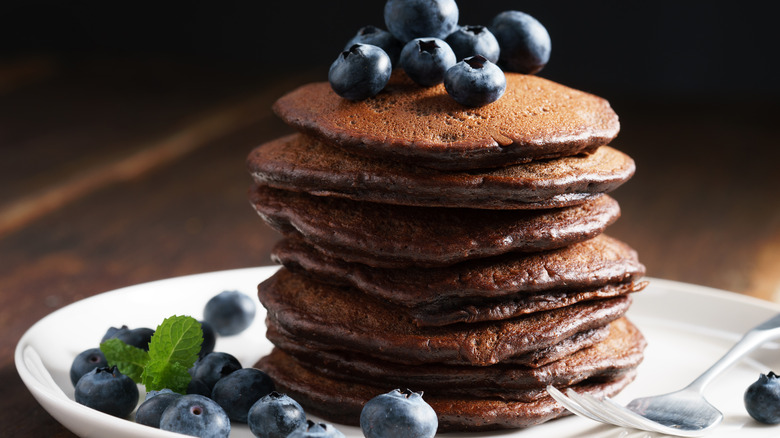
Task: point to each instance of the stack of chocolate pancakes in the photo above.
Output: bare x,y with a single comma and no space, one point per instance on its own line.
451,250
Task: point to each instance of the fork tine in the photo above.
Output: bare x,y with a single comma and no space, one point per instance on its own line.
637,421
650,425
593,406
626,417
569,404
605,410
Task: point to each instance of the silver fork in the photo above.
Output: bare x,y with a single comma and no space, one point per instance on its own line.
681,413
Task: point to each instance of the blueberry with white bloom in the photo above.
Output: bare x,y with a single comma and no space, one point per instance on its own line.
229,312
85,362
209,339
398,414
425,60
108,391
377,37
360,72
409,19
475,81
469,41
137,337
212,367
151,410
196,415
524,41
275,416
239,390
762,399
317,430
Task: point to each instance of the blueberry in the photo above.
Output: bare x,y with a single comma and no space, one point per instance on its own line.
410,19
151,410
213,367
229,312
209,339
317,430
762,399
197,386
525,43
398,414
138,337
151,394
425,60
239,390
377,37
112,331
107,390
275,416
475,81
196,415
85,362
468,41
360,72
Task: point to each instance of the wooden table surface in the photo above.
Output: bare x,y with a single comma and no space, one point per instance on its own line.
125,171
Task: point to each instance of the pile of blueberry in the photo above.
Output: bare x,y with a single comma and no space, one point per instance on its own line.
425,40
220,390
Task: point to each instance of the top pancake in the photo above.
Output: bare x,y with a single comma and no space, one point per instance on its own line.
303,163
534,119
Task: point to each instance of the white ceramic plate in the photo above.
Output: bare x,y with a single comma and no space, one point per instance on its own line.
687,327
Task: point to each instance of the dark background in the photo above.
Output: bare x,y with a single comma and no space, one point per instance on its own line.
618,49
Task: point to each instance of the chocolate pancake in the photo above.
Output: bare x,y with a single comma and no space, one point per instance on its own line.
340,401
423,126
619,353
303,163
383,235
571,345
347,319
534,359
484,289
439,308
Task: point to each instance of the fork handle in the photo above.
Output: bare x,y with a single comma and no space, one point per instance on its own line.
766,331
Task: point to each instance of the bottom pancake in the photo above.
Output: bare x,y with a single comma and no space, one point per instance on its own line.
339,401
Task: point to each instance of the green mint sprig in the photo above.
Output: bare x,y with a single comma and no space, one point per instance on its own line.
172,351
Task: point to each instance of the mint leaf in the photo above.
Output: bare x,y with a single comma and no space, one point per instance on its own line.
172,375
130,360
172,351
